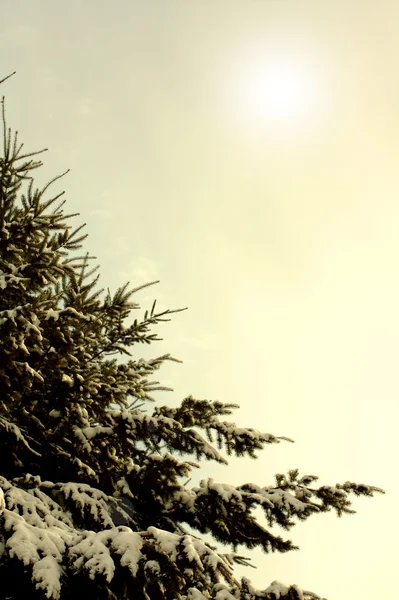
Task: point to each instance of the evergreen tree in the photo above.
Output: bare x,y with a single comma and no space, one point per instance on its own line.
92,501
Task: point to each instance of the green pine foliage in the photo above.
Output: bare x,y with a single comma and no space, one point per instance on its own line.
92,498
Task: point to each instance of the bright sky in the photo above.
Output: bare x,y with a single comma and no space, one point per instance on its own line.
245,153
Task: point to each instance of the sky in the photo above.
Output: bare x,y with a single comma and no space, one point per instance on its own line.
244,153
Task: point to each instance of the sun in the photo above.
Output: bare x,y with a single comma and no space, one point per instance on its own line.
280,91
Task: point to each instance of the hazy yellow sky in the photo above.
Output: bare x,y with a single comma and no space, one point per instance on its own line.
245,153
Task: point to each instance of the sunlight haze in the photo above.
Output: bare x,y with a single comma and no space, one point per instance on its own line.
244,153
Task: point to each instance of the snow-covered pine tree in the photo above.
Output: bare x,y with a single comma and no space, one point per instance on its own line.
79,456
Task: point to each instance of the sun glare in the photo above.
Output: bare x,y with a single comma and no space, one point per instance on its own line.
280,91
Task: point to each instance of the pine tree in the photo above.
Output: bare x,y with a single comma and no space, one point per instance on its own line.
92,502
